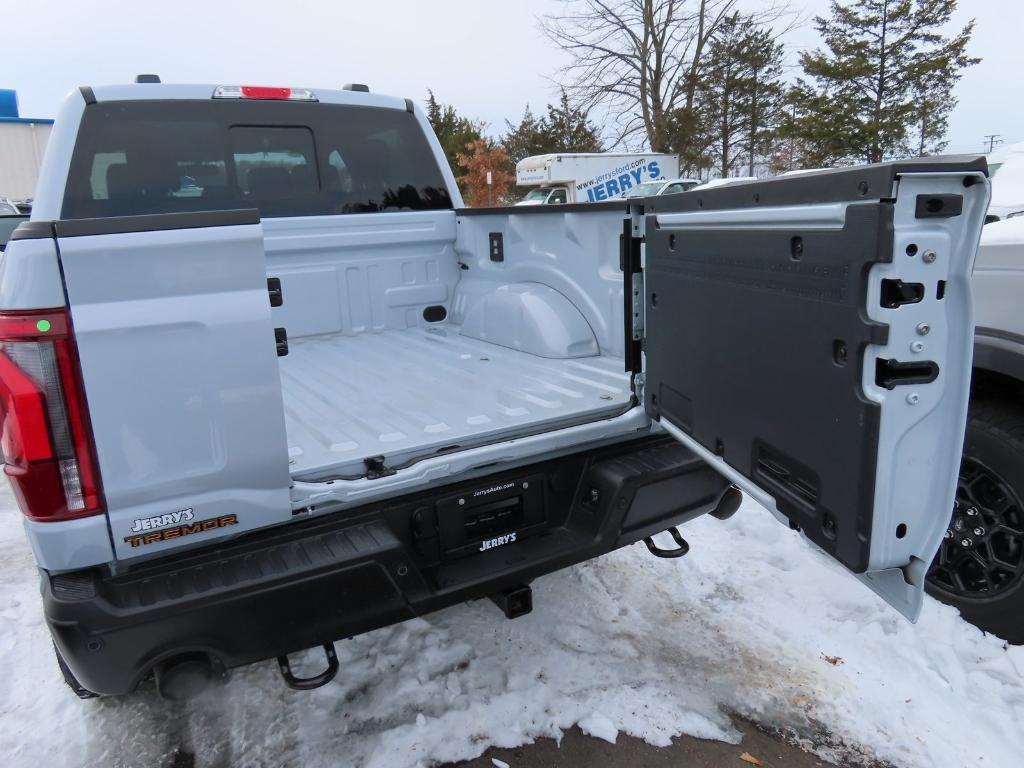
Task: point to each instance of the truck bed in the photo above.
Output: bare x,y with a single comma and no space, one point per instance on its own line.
408,393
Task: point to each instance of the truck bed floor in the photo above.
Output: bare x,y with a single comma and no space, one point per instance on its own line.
407,393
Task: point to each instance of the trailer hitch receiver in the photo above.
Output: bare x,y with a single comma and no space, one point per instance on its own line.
514,602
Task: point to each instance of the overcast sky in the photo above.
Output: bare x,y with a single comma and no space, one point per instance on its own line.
486,57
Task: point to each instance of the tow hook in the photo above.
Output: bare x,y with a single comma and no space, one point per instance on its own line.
679,551
514,602
309,683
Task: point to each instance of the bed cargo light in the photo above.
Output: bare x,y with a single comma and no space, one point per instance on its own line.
44,425
263,92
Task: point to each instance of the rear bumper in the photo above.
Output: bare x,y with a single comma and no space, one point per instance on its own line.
328,578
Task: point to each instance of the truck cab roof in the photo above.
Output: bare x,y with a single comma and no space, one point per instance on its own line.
145,91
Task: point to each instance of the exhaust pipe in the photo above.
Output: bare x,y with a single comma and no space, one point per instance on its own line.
185,677
514,602
728,504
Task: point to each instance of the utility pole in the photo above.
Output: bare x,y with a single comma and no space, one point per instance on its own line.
792,140
993,140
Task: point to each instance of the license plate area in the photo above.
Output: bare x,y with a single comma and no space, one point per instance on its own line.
490,516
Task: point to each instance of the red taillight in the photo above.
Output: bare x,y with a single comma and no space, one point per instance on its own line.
265,92
46,436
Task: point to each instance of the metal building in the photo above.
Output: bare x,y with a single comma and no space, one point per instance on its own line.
22,142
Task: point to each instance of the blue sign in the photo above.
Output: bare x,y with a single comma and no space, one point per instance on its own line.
8,103
613,183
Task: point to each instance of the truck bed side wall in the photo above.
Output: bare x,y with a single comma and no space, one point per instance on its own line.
361,273
574,250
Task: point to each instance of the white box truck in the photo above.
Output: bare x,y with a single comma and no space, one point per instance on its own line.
590,177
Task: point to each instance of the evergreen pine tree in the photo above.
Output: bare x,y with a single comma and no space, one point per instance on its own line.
454,132
766,96
739,98
567,128
722,94
525,139
882,87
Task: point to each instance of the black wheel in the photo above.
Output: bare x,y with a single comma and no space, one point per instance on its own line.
71,680
980,565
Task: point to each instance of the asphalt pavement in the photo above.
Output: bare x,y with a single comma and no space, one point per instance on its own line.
577,750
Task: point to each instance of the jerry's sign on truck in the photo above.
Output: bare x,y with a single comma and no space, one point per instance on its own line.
590,177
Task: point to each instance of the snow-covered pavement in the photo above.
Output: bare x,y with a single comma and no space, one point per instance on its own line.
752,621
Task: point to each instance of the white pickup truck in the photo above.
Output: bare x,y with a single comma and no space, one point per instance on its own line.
267,384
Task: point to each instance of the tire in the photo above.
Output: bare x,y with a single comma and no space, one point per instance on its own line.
983,574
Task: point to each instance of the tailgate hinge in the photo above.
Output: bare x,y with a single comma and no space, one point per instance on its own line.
639,383
631,263
637,293
375,468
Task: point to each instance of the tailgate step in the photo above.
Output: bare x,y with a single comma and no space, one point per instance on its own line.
215,572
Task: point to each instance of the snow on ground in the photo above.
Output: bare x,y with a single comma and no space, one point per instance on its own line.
752,621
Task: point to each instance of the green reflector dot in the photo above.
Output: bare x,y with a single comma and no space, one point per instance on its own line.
43,326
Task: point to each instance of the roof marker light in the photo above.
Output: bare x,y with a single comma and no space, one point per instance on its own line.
263,92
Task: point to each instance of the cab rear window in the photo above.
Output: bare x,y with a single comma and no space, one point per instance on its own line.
283,158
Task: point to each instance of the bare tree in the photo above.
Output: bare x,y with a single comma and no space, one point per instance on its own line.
640,59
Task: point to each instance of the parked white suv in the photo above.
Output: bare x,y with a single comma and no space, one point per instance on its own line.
663,187
1007,169
980,565
545,196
